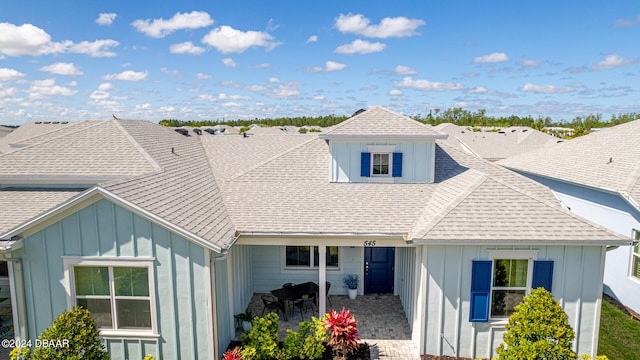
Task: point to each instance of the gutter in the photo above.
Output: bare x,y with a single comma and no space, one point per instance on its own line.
404,236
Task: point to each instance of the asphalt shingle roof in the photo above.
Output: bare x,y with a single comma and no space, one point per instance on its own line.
607,159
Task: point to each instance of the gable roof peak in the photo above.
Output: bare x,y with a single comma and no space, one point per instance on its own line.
381,123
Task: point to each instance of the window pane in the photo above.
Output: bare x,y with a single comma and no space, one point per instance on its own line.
380,164
635,271
332,256
298,255
503,302
510,273
91,280
100,310
134,314
133,281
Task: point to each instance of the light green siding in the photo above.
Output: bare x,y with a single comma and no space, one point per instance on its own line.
447,330
104,229
224,317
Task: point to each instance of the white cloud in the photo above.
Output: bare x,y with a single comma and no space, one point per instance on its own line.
47,88
318,97
288,90
7,92
186,48
127,75
256,88
106,18
105,87
7,74
404,70
98,48
159,28
229,40
145,106
274,80
312,39
530,63
232,104
30,40
545,89
388,27
62,69
99,95
206,97
202,76
223,96
228,62
613,61
360,47
330,66
627,22
395,92
427,85
260,66
491,58
480,90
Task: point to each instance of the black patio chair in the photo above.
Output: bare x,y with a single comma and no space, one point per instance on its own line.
306,302
328,297
271,304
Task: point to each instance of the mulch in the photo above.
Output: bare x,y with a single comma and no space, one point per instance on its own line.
622,308
362,353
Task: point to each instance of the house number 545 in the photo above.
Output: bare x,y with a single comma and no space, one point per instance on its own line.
370,243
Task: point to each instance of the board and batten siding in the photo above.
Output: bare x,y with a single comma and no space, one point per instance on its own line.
405,279
577,285
417,161
105,229
269,272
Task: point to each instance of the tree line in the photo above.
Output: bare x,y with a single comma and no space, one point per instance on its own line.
580,125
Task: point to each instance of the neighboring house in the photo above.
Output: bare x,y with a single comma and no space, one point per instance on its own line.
4,131
164,237
598,177
496,145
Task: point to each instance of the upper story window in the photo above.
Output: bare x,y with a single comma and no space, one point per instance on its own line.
635,269
510,278
380,164
305,257
381,161
118,295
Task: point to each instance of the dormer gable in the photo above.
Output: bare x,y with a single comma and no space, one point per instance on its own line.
379,145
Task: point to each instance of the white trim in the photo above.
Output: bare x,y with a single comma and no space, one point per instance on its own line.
336,137
389,165
513,254
69,262
211,344
381,148
635,235
530,256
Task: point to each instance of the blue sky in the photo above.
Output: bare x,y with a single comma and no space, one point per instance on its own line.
77,60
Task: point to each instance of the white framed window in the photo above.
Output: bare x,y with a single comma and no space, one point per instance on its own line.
118,292
307,257
381,164
511,277
635,262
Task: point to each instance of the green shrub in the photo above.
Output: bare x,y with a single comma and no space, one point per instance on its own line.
538,329
263,337
75,328
149,357
307,343
20,353
599,357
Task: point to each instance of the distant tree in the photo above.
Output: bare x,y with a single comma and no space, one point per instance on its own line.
538,329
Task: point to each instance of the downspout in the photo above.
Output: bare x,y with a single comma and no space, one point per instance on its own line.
214,305
16,286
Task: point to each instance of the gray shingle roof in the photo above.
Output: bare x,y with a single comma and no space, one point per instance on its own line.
380,122
607,159
493,146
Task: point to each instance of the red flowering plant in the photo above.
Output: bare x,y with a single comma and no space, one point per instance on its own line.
233,354
343,332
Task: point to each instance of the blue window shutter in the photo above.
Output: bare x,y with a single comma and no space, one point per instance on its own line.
397,165
480,290
542,274
365,164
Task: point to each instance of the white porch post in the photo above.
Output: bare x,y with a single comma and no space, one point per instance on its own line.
322,280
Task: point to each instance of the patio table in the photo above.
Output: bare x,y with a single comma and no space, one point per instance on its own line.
295,292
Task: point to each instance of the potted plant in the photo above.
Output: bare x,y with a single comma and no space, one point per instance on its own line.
244,319
351,282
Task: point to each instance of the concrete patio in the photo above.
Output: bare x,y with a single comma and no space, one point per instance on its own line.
381,322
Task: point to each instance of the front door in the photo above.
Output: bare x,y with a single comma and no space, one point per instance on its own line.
378,269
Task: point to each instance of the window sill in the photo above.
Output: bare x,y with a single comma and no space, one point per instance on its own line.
498,322
128,334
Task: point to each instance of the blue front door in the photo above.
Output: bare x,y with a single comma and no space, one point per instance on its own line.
378,269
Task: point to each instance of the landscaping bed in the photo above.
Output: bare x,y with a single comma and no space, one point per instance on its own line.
362,353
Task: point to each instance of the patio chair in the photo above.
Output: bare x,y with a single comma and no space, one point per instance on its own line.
328,297
306,302
271,304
